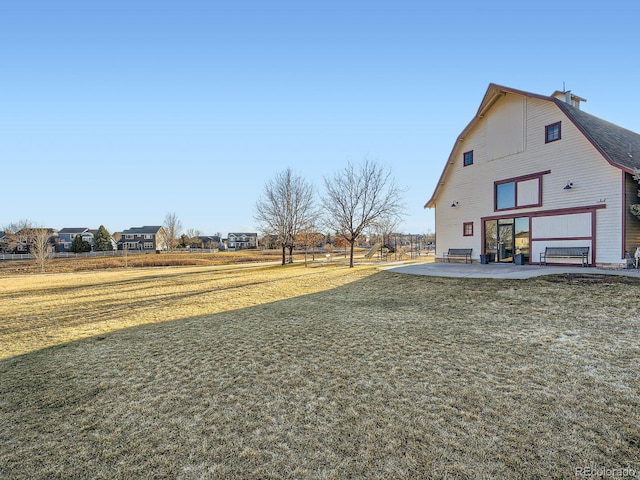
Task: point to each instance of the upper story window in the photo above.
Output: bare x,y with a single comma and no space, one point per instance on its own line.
467,158
505,195
552,132
519,192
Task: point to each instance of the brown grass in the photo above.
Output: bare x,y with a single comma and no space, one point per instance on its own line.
176,259
371,376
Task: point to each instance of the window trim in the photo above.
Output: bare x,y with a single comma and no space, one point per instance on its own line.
464,158
524,178
548,128
464,229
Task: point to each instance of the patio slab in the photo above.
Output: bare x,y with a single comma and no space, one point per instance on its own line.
495,270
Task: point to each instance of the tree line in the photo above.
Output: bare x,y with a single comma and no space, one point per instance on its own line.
290,211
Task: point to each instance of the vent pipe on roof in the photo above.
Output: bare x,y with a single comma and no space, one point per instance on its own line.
567,97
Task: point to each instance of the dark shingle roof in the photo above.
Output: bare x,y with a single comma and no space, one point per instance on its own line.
619,145
145,229
208,238
74,230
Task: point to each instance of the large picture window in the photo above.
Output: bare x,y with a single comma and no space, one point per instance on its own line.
505,195
519,192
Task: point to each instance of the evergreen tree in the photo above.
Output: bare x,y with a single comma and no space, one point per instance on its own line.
79,245
102,240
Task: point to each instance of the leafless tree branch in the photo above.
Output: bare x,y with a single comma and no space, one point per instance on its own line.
359,196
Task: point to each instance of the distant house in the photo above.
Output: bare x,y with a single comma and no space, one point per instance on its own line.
242,241
205,241
147,238
66,236
21,241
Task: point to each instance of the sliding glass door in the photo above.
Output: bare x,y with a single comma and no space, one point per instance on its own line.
505,237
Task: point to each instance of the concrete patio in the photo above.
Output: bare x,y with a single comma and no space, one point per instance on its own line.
496,270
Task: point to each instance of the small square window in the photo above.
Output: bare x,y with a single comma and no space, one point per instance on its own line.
552,132
467,229
467,158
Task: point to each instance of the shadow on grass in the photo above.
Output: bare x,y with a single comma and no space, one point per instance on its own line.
391,376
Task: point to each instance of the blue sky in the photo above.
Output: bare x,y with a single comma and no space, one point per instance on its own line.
117,112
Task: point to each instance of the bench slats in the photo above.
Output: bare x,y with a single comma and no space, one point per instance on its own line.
458,252
565,252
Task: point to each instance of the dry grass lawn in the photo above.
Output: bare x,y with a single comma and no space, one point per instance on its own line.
175,259
321,372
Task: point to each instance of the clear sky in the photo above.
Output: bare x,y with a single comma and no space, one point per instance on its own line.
119,112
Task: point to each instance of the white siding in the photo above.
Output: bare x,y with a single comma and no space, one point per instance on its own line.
538,247
572,158
562,226
506,132
528,192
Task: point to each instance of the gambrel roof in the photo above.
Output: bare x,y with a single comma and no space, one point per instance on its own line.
619,146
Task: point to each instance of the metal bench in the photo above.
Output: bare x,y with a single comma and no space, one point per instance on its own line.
458,252
566,252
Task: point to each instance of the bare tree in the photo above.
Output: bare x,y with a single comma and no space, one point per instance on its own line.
309,237
18,235
172,229
40,246
25,236
357,197
385,226
286,208
193,232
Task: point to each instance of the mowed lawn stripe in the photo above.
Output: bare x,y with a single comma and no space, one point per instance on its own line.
40,311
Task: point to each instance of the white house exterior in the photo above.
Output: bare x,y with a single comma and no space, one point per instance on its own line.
531,171
241,241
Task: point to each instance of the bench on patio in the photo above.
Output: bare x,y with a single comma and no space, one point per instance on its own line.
458,252
566,252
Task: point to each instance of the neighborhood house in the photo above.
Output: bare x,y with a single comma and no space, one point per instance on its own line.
148,238
241,241
67,235
535,179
